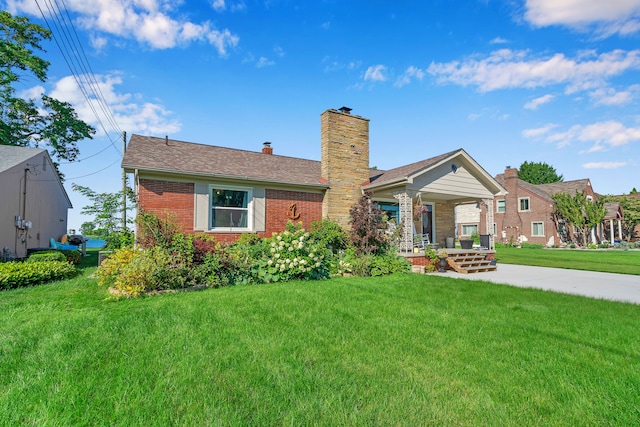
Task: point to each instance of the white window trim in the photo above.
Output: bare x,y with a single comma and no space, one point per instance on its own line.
505,206
532,228
528,204
249,227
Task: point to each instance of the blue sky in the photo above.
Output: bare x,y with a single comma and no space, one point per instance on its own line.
555,81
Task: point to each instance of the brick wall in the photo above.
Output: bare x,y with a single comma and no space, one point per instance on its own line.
278,209
164,198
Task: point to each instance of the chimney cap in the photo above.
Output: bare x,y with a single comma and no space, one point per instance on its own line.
345,110
266,144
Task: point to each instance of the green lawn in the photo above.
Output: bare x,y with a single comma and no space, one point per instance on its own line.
610,261
400,350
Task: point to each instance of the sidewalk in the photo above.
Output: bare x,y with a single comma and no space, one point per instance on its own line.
610,286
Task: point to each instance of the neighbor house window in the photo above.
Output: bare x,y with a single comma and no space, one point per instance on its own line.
523,204
537,229
469,229
501,206
230,208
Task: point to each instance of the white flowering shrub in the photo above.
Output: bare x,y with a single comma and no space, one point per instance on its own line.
292,255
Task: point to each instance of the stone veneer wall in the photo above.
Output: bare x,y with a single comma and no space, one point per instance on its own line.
345,162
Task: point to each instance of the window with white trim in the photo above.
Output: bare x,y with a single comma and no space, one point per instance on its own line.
501,206
537,229
230,208
469,229
523,204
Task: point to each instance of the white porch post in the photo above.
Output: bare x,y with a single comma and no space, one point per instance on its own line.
406,215
620,230
611,233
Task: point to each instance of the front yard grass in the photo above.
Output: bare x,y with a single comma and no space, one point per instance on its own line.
397,350
609,261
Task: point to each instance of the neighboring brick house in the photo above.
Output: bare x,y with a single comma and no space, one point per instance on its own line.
227,192
524,213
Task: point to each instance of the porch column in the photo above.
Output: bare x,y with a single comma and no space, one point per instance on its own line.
611,233
406,217
620,230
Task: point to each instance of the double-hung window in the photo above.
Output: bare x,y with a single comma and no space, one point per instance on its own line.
537,229
469,229
501,206
231,208
523,204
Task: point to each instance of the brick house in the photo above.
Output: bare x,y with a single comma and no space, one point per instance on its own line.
227,192
524,212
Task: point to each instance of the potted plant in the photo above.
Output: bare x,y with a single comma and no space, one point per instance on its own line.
442,260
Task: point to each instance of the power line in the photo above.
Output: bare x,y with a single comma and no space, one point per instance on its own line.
87,74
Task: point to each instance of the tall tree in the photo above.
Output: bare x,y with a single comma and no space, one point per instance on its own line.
579,211
33,122
538,173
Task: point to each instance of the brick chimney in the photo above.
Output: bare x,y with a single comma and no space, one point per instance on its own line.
266,148
344,162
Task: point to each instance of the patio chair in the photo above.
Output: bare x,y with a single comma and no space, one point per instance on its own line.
420,240
57,245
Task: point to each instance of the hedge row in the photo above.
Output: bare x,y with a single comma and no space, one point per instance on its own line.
17,274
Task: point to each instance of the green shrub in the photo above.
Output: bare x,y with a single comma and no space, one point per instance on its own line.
370,265
329,234
52,255
119,239
18,274
73,256
526,245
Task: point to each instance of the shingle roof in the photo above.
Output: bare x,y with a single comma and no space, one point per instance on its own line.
613,209
11,155
548,190
379,177
162,155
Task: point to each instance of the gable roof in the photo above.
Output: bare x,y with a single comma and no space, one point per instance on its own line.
614,210
403,173
146,153
407,173
547,190
11,155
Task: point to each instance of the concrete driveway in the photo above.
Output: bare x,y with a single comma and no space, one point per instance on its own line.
610,286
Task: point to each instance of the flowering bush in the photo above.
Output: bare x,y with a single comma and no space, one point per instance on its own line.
292,255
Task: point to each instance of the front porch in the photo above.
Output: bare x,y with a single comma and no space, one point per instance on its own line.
461,260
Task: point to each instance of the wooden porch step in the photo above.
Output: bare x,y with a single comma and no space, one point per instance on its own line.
476,265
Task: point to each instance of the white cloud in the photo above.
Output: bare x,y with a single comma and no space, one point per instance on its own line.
535,103
264,62
145,117
538,132
376,73
410,74
218,5
505,68
150,22
498,40
610,96
605,17
602,135
604,165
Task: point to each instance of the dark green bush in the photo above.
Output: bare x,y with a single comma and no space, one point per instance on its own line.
526,245
73,256
52,255
370,265
18,274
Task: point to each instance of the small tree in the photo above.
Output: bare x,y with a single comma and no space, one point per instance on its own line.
368,227
106,208
582,213
538,173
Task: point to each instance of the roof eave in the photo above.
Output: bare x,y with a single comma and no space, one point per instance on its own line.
139,169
